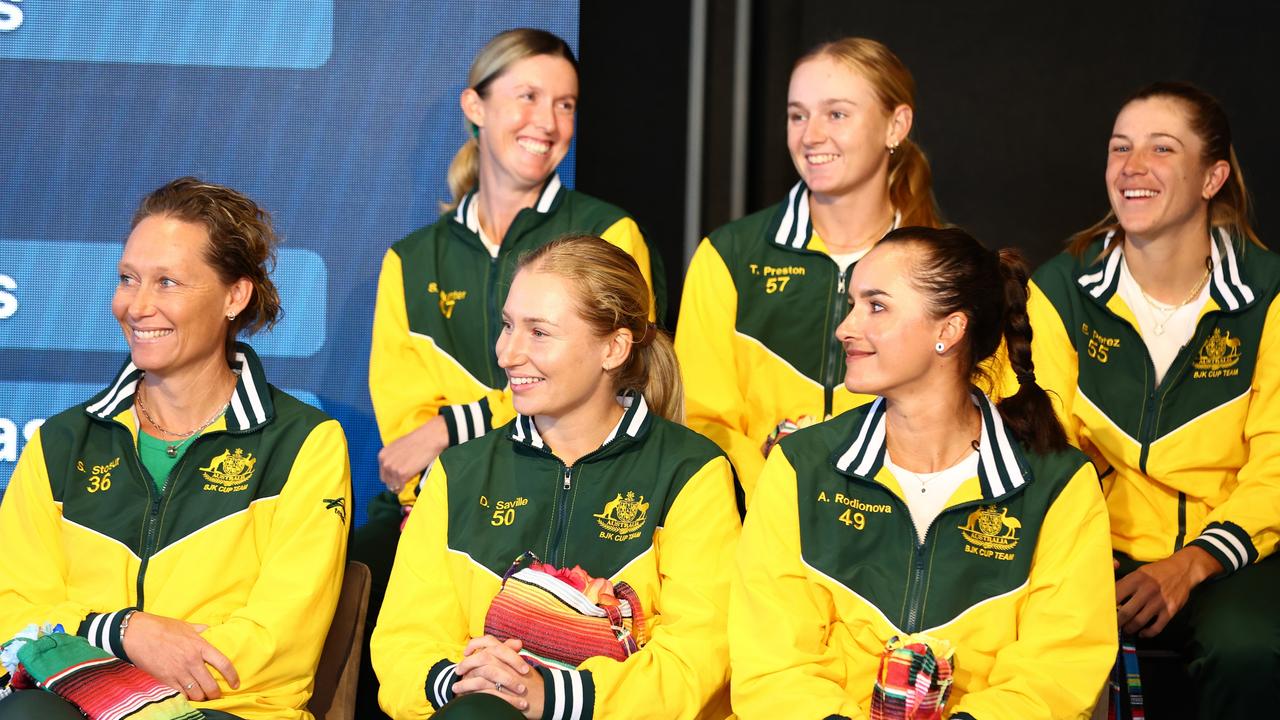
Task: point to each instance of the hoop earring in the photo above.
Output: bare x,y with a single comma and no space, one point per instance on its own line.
940,348
893,148
231,316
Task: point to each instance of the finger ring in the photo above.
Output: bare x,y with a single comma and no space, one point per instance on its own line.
189,685
497,686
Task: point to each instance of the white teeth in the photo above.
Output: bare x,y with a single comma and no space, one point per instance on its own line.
533,146
525,380
1141,193
822,159
150,334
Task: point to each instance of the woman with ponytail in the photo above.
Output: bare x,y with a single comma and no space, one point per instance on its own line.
432,375
595,471
1159,333
764,294
931,521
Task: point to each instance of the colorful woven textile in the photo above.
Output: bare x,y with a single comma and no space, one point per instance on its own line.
914,680
102,686
558,625
1126,684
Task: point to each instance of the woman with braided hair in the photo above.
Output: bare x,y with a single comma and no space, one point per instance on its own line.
931,517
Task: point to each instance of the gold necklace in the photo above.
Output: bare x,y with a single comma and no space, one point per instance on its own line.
972,447
172,449
1159,310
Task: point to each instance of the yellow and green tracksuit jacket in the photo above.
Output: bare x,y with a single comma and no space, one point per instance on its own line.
1015,572
486,502
439,311
756,334
248,536
1194,460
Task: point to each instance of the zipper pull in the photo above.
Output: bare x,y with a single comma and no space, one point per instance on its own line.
568,477
840,286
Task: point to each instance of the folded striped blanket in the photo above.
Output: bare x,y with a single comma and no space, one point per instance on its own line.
101,686
558,624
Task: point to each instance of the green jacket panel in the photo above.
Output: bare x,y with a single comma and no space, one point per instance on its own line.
453,287
882,559
1191,460
652,507
248,536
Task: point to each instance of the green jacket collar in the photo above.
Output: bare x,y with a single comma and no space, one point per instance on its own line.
250,407
1229,283
1000,469
795,227
633,425
548,200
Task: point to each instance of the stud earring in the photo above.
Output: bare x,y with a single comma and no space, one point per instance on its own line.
940,348
231,316
893,148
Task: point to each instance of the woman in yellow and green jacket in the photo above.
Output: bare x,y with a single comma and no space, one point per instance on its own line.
763,294
931,514
191,518
594,471
1159,333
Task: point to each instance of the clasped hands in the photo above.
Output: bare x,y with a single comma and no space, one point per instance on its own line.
496,667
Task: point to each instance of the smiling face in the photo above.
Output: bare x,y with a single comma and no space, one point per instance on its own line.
525,119
170,302
838,131
889,333
1157,180
554,361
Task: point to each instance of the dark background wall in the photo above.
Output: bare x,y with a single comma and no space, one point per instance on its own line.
1014,102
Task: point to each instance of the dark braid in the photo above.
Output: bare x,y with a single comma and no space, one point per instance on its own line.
1028,411
957,274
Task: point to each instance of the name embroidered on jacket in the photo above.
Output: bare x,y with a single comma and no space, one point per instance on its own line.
1099,344
855,503
622,517
448,298
1218,356
991,533
99,478
229,472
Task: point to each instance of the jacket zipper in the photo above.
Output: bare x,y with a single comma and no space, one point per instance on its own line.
562,519
916,586
833,344
915,580
492,283
492,313
153,514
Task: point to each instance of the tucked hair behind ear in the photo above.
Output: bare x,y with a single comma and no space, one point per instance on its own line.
611,294
242,243
957,274
499,54
910,180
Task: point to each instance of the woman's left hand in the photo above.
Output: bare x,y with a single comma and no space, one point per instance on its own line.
495,667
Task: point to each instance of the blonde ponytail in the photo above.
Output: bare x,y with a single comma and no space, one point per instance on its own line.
657,373
911,186
464,173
